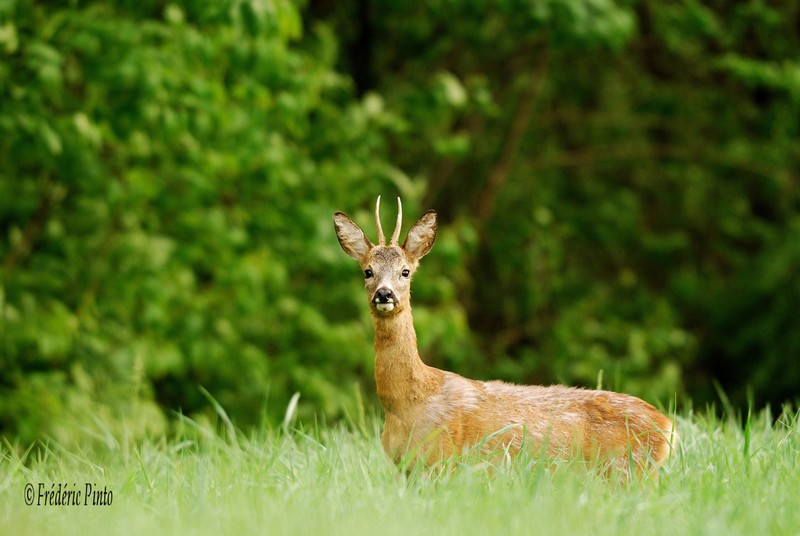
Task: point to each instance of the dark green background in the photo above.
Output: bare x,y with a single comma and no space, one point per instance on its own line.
617,184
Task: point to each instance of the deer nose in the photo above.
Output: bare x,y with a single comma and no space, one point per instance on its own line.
384,295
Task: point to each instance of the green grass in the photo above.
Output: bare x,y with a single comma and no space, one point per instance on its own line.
726,479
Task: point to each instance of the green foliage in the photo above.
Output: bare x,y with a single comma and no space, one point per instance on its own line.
168,177
629,168
616,182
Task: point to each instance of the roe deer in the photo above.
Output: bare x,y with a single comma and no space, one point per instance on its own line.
432,414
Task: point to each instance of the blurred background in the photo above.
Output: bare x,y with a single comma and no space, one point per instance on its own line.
617,184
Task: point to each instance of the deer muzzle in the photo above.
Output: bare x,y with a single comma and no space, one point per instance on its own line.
384,299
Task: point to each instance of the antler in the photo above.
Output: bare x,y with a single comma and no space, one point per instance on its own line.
381,238
399,224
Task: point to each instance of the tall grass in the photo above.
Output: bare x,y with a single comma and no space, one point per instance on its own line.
727,478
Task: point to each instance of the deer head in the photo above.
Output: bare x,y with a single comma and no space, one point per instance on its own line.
387,268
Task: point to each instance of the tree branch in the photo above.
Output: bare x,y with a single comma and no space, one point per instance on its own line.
52,194
498,176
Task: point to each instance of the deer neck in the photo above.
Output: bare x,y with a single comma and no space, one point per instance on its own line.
400,375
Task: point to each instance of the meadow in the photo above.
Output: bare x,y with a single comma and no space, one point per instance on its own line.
732,475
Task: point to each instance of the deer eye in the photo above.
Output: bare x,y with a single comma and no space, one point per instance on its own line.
405,273
367,273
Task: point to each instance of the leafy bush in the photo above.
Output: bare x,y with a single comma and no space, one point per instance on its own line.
616,184
169,176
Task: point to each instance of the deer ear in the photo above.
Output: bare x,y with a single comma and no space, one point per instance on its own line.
352,239
421,236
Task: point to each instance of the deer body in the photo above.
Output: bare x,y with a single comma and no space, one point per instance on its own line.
434,414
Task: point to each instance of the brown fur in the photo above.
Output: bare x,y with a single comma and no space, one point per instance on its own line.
435,414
